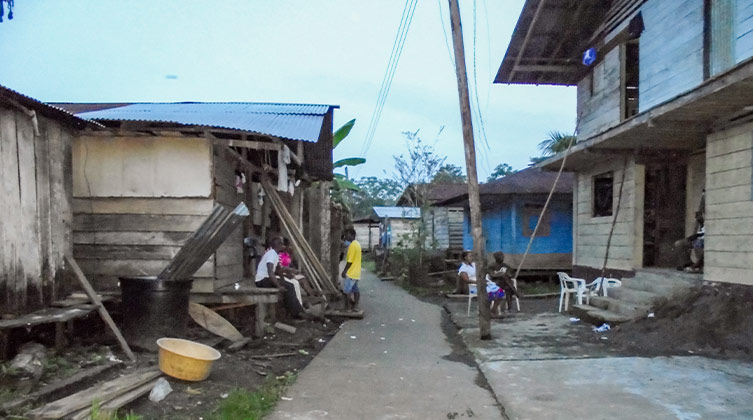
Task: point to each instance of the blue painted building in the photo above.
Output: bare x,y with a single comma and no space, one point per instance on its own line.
511,207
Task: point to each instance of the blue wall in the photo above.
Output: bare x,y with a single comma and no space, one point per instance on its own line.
504,225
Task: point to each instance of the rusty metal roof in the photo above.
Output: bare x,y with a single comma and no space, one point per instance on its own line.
47,110
289,121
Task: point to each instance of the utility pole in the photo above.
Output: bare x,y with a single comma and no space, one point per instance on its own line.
474,199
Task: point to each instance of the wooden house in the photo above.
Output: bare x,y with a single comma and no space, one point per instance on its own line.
396,225
444,224
510,209
141,186
367,232
35,201
665,111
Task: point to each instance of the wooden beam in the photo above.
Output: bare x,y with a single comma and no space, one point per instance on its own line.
547,68
100,307
248,144
525,40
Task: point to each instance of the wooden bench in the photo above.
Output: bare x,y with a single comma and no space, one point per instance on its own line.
245,296
59,316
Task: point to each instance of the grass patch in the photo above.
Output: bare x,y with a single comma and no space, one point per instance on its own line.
369,265
243,404
97,414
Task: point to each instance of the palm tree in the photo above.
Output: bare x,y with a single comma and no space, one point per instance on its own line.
556,143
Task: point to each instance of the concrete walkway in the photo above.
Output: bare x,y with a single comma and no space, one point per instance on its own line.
393,364
539,370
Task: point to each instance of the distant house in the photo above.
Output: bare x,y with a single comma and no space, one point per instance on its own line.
143,184
665,110
444,224
367,232
35,201
510,210
396,224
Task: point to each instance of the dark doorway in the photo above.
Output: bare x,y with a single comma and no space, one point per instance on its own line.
664,217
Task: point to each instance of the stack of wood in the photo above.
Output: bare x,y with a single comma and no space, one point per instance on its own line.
312,267
109,396
204,242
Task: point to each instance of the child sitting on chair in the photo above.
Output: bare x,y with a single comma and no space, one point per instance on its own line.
467,279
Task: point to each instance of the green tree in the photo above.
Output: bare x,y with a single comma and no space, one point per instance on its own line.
556,142
372,191
500,171
449,174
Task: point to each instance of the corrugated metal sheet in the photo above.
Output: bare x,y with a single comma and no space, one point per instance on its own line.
290,121
398,212
46,109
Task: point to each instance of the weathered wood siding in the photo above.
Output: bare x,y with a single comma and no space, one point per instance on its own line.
119,166
445,227
124,228
592,232
729,206
671,50
401,230
35,203
229,256
599,97
743,31
367,236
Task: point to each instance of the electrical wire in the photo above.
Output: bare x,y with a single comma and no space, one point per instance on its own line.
397,49
478,113
444,32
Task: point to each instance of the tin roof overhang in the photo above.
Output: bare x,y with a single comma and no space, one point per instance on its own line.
287,121
679,125
548,41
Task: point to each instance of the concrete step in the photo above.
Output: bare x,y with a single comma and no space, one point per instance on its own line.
662,275
597,316
631,309
637,296
660,288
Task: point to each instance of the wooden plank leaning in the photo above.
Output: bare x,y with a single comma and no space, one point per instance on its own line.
207,226
100,307
102,392
297,236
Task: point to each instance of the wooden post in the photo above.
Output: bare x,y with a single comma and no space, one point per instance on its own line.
470,163
100,307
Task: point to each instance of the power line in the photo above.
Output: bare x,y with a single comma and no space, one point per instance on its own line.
397,49
444,32
482,128
386,72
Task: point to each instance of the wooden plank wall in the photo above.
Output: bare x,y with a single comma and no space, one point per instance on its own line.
35,197
122,235
743,31
599,99
229,256
437,225
671,50
592,232
729,206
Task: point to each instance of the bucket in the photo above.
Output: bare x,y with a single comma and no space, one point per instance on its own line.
152,309
184,359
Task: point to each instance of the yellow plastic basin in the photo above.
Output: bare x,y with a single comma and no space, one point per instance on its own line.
184,359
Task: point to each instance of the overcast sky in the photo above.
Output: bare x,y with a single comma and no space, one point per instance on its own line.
325,51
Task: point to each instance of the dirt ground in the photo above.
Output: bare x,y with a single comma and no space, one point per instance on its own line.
715,320
277,354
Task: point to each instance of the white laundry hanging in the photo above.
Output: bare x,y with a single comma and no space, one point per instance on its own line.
283,159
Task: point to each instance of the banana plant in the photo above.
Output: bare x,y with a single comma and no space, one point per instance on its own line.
341,182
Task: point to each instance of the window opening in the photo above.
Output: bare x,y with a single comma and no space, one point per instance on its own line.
603,192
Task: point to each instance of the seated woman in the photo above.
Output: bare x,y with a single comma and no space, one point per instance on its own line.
467,277
270,274
500,273
294,276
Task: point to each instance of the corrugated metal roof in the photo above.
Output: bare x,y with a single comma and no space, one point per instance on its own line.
290,121
45,109
398,212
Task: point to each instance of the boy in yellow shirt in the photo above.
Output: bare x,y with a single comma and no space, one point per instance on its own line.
352,271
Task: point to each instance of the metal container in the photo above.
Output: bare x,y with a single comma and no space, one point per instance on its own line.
152,309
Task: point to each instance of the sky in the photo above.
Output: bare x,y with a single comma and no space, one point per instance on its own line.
301,51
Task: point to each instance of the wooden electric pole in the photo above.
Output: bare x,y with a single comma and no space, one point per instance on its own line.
470,164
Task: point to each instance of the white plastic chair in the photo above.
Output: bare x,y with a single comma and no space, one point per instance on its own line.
607,283
472,293
570,285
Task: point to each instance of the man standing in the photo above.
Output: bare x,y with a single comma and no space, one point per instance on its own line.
352,272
